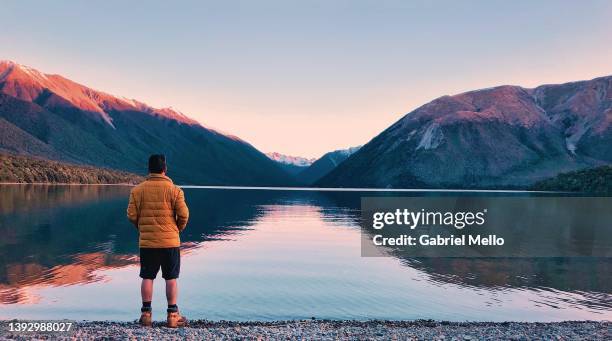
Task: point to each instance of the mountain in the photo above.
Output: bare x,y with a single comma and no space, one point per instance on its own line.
55,118
325,164
506,136
24,169
290,160
291,164
593,180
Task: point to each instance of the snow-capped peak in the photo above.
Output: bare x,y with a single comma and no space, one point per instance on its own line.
290,160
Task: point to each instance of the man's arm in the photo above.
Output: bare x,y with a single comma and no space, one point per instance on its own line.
181,211
132,210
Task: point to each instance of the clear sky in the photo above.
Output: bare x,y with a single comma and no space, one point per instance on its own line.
306,77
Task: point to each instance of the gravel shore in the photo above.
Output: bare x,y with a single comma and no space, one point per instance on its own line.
332,330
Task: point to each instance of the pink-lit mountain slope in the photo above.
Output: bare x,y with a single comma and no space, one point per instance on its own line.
507,136
53,117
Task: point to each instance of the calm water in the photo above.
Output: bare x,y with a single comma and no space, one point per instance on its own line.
68,252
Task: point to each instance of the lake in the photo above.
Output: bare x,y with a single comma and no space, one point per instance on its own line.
69,252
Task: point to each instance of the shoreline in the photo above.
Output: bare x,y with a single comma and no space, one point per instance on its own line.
311,189
63,184
330,330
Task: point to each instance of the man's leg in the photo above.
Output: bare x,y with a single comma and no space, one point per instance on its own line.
149,266
174,317
171,268
171,291
146,290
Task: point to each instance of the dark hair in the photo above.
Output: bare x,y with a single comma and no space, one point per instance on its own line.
157,163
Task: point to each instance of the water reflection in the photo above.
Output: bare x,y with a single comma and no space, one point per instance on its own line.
60,235
281,249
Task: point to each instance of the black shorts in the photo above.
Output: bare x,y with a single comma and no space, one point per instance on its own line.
151,259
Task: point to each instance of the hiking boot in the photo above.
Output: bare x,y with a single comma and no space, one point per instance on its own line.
175,319
146,318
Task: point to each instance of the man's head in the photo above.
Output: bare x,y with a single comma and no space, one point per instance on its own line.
157,164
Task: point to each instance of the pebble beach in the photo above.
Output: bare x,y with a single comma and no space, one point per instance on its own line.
330,330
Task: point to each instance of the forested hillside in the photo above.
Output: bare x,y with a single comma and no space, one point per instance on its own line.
24,169
595,180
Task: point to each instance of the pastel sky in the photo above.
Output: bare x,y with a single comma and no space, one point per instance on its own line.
306,77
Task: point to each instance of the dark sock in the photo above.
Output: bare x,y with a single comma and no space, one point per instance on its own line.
146,306
172,308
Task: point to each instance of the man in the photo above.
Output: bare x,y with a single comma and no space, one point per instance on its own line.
157,208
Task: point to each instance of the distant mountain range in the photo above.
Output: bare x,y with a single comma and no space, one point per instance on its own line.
501,137
307,171
55,118
291,160
324,165
291,164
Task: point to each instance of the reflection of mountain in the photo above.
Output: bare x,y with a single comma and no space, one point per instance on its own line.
62,235
57,235
575,274
81,269
55,118
503,136
22,199
588,279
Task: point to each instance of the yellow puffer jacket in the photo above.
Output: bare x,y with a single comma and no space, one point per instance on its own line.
157,208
